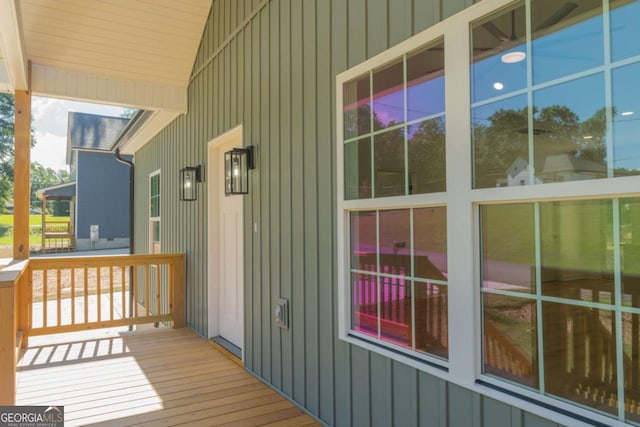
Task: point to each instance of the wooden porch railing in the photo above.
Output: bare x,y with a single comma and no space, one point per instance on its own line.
54,295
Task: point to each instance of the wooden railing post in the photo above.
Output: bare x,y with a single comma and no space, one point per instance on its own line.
10,277
7,343
178,290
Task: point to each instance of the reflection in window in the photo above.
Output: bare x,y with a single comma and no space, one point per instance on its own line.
510,338
500,143
625,31
630,251
357,169
399,277
555,125
426,146
388,96
576,250
569,131
389,163
425,83
508,247
357,107
565,257
568,37
626,120
408,132
499,54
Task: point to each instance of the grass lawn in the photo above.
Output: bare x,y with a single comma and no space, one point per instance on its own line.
7,220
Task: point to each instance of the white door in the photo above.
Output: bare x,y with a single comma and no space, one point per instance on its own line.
226,278
231,268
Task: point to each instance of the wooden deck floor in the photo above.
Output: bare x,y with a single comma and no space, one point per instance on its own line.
148,377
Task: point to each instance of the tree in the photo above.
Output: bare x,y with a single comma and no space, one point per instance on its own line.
42,177
128,113
7,137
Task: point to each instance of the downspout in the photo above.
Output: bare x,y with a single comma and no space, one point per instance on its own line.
129,163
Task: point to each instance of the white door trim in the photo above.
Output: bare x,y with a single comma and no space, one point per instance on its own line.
214,191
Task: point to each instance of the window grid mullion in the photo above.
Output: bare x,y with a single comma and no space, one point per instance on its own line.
617,275
413,282
378,277
539,323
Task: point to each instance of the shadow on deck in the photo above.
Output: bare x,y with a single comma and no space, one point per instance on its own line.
147,377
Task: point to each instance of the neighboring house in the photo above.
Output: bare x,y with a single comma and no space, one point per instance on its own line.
102,182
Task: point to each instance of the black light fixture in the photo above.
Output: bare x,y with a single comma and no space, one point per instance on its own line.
190,176
237,163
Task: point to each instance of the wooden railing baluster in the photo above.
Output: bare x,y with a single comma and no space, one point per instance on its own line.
58,298
99,293
147,305
110,292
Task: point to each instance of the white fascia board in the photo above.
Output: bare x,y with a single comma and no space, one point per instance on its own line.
12,47
150,128
82,86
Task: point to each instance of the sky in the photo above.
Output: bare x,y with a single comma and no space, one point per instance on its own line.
50,128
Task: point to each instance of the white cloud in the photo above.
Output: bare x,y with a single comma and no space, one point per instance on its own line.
50,127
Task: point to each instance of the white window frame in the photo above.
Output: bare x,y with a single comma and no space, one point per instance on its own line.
464,366
154,219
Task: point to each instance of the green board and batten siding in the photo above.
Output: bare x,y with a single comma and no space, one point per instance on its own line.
271,66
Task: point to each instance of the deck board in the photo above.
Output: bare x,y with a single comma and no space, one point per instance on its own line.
147,377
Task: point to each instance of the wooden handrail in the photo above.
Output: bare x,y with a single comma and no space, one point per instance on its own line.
49,291
102,282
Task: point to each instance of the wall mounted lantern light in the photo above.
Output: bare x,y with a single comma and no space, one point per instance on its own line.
237,163
190,176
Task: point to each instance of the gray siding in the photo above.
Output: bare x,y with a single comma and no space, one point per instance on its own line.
102,195
276,77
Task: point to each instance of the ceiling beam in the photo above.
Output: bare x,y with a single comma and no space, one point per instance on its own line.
12,45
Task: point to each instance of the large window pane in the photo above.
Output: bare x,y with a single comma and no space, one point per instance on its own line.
568,37
500,143
430,243
631,346
626,120
431,319
395,241
364,294
388,96
357,169
499,54
508,247
625,31
580,355
630,251
390,163
577,250
363,241
569,131
425,83
357,107
510,338
395,310
426,156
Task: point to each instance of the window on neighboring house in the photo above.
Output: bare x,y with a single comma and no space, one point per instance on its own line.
394,163
508,255
154,212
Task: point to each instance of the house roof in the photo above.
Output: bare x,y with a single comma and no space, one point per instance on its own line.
64,191
566,162
93,131
137,54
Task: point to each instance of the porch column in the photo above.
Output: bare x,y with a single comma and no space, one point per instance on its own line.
22,174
